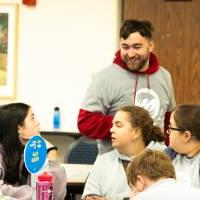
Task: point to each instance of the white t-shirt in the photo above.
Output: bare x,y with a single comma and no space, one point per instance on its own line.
188,169
169,189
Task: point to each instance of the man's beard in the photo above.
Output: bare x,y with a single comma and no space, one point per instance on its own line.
137,63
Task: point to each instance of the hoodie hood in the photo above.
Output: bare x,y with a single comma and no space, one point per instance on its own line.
158,146
123,156
153,64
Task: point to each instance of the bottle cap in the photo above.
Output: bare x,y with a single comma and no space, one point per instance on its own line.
45,177
56,108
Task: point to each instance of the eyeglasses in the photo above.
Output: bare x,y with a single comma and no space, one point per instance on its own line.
175,129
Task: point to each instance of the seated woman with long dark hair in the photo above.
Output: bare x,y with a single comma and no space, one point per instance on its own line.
184,146
17,125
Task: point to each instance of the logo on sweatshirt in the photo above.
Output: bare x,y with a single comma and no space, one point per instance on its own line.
150,101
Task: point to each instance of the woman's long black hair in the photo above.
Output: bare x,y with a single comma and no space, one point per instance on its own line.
11,116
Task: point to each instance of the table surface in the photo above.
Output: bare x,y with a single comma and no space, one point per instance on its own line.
77,173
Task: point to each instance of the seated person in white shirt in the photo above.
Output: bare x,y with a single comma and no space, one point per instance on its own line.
152,177
132,132
184,144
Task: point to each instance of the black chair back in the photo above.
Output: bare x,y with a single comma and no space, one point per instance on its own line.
82,151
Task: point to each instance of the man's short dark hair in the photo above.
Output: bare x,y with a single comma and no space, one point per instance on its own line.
144,27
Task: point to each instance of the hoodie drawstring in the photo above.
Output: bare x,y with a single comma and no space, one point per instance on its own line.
135,89
136,84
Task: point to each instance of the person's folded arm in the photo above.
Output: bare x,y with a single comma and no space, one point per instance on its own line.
94,124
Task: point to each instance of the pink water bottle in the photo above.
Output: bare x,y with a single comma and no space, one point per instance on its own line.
44,187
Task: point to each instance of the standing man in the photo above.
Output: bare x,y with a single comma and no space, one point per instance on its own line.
134,78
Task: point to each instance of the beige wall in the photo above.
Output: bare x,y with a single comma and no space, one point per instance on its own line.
61,44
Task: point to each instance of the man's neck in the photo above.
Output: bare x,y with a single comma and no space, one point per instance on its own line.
149,182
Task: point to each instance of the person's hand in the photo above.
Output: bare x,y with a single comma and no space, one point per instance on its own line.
52,155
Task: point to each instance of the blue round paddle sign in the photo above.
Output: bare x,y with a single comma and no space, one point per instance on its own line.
35,153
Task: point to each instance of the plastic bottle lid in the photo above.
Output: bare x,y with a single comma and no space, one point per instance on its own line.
45,177
56,108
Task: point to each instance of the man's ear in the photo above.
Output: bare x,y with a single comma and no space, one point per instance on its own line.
187,135
140,183
151,45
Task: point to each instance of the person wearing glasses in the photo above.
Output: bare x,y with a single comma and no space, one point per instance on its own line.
184,147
